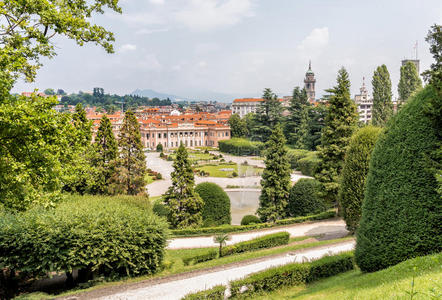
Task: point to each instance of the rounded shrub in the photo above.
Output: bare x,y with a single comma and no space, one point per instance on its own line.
354,174
111,236
304,199
250,219
160,147
401,209
216,209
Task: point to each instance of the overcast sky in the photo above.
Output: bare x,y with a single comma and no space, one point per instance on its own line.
243,46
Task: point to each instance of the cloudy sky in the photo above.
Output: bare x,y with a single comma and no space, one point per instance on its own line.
186,47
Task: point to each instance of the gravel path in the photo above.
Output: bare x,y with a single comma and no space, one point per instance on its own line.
327,227
176,289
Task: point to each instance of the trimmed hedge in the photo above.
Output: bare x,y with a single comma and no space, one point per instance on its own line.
240,147
304,199
401,215
266,241
216,209
104,235
211,254
234,228
292,274
294,155
215,293
309,165
250,219
354,174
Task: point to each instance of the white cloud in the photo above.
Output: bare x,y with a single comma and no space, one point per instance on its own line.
157,2
127,47
150,62
146,31
203,15
315,42
202,64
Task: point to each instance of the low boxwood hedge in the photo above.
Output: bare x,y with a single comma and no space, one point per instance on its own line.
215,293
292,274
250,219
211,254
235,228
266,241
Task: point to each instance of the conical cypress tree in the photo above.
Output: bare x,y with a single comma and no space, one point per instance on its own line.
275,180
382,104
131,163
185,205
340,122
106,151
297,122
409,82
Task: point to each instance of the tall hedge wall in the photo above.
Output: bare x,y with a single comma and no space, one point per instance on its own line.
354,174
240,147
107,235
216,209
401,213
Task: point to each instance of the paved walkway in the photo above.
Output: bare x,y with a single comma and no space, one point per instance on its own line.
178,288
327,227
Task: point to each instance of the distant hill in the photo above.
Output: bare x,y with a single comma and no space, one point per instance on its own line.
153,94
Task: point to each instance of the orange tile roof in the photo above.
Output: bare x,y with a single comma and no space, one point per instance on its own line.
248,100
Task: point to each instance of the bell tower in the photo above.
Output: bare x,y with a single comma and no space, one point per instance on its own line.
309,83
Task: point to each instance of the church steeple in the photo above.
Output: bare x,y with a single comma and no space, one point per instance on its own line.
309,83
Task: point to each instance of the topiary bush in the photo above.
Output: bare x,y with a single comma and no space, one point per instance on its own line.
250,219
304,199
354,174
160,148
216,209
309,165
240,147
266,241
111,236
401,210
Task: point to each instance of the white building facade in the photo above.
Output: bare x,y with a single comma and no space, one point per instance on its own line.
364,103
245,106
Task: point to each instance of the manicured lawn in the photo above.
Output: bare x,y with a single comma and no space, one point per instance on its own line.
197,156
392,283
226,170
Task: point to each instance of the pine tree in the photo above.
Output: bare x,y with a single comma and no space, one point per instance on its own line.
275,180
238,127
268,114
106,151
340,122
408,83
382,104
131,163
184,203
297,122
316,122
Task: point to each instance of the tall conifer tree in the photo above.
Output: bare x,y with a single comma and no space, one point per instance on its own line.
382,104
297,121
275,180
131,163
268,114
185,205
106,151
408,83
340,122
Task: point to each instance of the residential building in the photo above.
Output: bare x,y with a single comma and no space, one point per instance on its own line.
245,105
364,103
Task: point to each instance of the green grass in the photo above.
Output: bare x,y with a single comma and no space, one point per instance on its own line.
195,156
392,283
149,179
216,170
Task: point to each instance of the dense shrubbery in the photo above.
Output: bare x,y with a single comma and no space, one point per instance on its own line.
195,259
294,155
160,209
266,241
292,274
232,228
304,199
240,147
250,219
309,165
401,208
354,174
109,236
215,293
216,209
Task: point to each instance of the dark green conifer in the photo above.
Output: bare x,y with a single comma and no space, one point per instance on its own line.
297,121
382,104
408,83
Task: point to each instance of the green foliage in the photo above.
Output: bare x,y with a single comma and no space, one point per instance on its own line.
234,228
292,274
294,155
215,293
49,92
216,209
275,180
304,199
354,174
401,208
309,165
268,114
106,235
30,26
296,123
184,203
160,209
266,241
221,239
195,259
238,127
131,163
382,105
409,82
160,147
316,117
340,123
250,219
240,147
